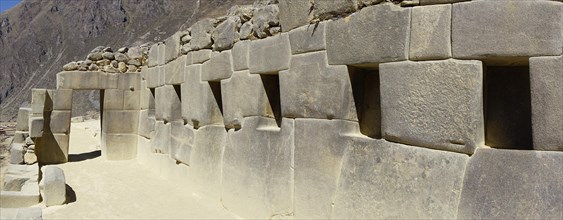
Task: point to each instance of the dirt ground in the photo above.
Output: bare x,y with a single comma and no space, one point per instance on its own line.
103,189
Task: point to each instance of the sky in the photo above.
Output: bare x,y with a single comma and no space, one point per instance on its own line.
7,4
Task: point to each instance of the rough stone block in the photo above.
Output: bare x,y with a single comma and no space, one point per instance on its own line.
218,68
181,142
358,39
59,121
329,9
36,127
153,56
294,13
206,161
172,45
513,29
147,97
146,123
434,104
23,119
200,56
270,55
383,180
119,146
20,137
38,100
316,179
81,80
244,95
61,98
53,185
16,199
174,71
161,140
308,88
201,34
240,55
509,184
200,106
257,170
153,77
120,121
431,32
225,34
52,148
546,85
308,38
16,153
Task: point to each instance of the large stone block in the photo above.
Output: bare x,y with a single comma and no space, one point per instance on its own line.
201,34
168,103
383,180
39,97
318,158
334,8
240,55
432,2
161,54
270,55
308,38
218,68
431,32
28,196
131,100
308,89
200,56
147,97
16,153
153,55
181,142
146,123
61,98
434,104
23,119
21,213
172,45
360,39
174,71
36,127
120,121
546,85
52,148
513,29
153,77
119,146
244,95
113,99
206,160
53,185
20,137
510,184
257,171
161,139
294,13
129,81
201,105
86,80
59,121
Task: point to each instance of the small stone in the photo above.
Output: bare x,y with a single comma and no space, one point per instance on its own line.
135,53
29,141
186,38
31,147
93,67
132,68
123,50
110,69
82,67
87,62
114,63
107,49
134,62
122,67
30,157
185,48
246,30
70,66
244,12
95,56
108,55
97,49
120,57
103,62
265,17
274,30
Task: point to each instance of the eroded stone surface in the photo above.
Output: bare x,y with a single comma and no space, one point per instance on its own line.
431,33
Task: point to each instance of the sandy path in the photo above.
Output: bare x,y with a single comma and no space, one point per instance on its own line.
124,189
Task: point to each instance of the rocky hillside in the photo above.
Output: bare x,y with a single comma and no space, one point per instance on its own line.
38,37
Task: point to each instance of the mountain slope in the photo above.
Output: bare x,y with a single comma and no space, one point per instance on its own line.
38,37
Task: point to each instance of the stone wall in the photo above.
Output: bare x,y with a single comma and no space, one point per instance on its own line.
350,109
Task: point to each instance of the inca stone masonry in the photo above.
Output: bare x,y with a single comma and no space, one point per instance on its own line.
338,109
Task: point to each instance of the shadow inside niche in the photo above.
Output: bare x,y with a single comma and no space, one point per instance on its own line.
84,156
70,194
